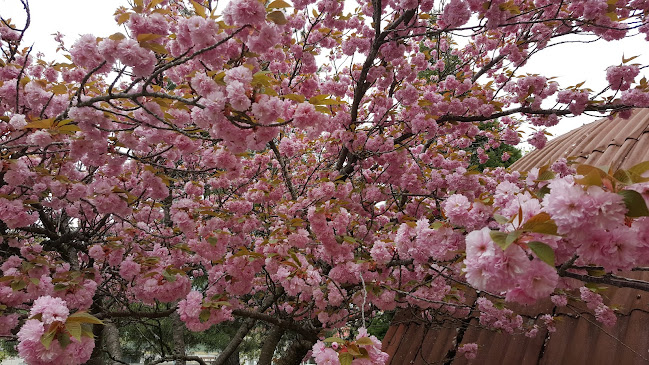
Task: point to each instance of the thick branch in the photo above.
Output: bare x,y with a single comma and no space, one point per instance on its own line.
172,358
236,340
132,314
609,279
282,164
289,325
270,343
527,110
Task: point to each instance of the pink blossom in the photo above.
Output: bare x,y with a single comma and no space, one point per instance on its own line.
50,309
244,12
324,355
128,269
140,59
621,77
305,115
538,281
266,38
17,121
456,208
7,323
407,95
455,14
568,205
559,300
14,215
469,350
33,352
85,52
40,138
479,244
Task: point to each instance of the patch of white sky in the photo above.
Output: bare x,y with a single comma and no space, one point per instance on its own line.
576,62
575,59
570,63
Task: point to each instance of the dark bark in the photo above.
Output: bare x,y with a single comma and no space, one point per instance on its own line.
97,357
183,358
111,343
234,358
178,338
296,352
270,343
233,346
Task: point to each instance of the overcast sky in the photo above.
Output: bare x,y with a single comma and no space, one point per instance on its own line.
570,63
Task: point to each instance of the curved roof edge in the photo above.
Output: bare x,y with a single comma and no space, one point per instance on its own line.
612,142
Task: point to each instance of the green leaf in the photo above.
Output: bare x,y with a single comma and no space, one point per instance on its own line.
640,168
68,129
84,317
334,339
146,37
635,203
623,176
170,277
40,124
64,340
593,177
546,175
295,97
541,223
47,338
18,285
86,330
345,358
198,8
74,328
324,99
277,17
499,238
364,341
504,239
543,192
205,315
501,219
278,4
354,350
511,237
544,252
595,288
596,272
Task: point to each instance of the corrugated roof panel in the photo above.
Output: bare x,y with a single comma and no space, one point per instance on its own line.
582,340
439,341
501,348
599,143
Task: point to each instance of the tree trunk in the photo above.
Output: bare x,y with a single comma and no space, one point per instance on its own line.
178,337
97,357
296,352
268,349
111,343
234,358
233,346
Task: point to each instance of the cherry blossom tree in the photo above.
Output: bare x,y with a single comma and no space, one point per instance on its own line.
287,165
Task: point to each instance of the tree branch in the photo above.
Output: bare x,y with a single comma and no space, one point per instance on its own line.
609,279
186,358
